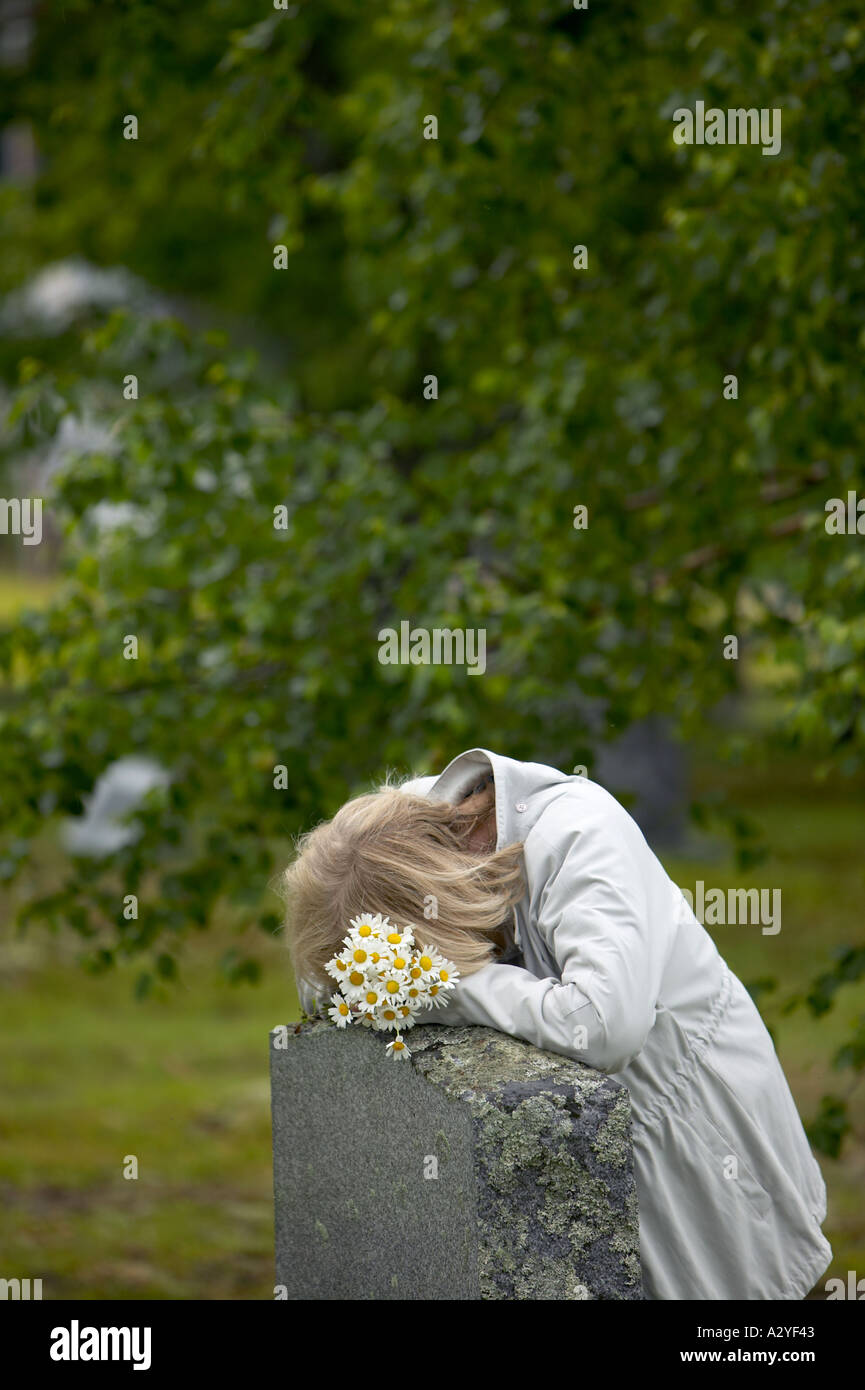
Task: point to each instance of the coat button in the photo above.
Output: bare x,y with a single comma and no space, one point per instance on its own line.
520,806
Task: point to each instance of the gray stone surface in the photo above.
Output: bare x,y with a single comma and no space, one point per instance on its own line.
534,1197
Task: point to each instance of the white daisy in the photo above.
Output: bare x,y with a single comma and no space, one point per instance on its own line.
437,968
337,967
427,961
397,1048
367,925
393,985
355,984
340,1014
437,996
370,999
415,972
399,961
357,953
407,1012
447,977
387,1018
404,940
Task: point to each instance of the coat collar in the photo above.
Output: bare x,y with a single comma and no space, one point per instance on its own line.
514,784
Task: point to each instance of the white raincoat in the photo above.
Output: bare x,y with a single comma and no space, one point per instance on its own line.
619,974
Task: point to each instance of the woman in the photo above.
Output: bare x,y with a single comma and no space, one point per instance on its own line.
568,933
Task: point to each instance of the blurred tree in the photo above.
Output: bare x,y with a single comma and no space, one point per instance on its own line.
408,258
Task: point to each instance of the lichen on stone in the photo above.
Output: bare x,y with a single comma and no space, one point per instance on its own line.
556,1199
613,1141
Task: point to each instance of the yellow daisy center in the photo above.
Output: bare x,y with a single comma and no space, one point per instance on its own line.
343,1008
371,997
388,1013
392,986
342,965
426,962
443,975
394,938
398,963
433,989
375,957
398,1046
404,1010
356,977
416,973
364,930
359,956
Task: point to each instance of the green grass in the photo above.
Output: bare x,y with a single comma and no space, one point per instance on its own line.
179,1081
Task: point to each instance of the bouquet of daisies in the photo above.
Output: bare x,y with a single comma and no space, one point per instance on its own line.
384,979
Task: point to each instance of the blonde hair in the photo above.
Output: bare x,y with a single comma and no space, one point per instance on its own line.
388,851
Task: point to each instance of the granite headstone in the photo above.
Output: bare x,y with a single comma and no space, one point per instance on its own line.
482,1168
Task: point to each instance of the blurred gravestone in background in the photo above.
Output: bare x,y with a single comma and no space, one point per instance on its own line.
649,765
484,1168
643,765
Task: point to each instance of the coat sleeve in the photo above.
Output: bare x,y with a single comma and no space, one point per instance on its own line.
604,908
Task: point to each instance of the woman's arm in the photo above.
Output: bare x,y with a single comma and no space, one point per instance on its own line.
605,908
